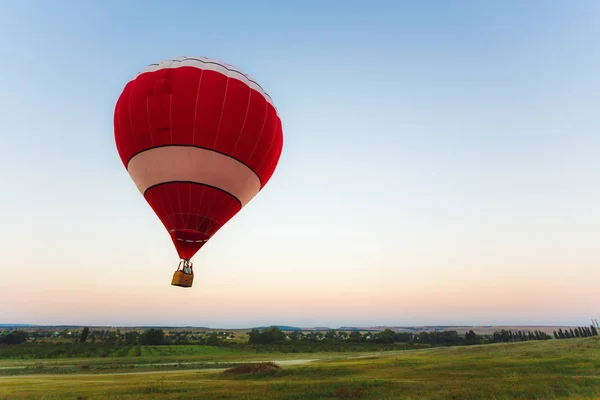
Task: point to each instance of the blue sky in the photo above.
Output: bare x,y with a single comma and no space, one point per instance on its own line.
440,164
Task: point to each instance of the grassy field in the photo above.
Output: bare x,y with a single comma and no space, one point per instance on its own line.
554,369
156,358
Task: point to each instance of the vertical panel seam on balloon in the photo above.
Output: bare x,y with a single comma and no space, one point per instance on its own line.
196,107
222,109
149,123
210,204
219,127
169,70
194,133
167,193
204,217
200,208
221,118
258,139
168,217
166,213
193,141
278,151
275,156
269,150
216,138
242,128
133,133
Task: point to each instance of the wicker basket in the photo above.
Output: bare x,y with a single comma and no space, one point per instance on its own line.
182,279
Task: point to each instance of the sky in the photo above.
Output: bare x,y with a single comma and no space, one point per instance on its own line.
441,165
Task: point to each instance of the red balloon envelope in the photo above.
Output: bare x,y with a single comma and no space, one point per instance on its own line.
200,139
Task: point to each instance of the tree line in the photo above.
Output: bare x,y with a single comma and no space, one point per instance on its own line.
273,335
579,332
298,339
505,336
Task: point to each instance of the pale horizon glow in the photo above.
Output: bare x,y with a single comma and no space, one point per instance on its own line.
441,166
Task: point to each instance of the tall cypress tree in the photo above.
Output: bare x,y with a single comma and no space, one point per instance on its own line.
588,332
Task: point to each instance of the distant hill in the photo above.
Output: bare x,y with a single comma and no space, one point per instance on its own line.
317,329
17,326
280,327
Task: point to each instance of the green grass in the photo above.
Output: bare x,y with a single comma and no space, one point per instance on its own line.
555,369
47,350
43,351
171,357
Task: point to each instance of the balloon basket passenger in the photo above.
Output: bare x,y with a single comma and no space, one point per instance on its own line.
184,275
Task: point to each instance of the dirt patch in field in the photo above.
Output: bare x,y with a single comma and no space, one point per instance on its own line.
253,369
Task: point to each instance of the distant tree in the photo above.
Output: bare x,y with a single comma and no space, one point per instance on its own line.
424,337
274,335
111,338
213,339
571,332
404,337
131,337
497,337
470,337
555,335
254,336
583,331
331,334
387,336
594,330
568,334
355,337
14,337
84,334
266,336
152,337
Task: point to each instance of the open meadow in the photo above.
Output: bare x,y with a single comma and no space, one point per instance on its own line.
550,369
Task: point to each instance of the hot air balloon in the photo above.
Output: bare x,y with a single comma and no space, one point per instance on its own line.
199,138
